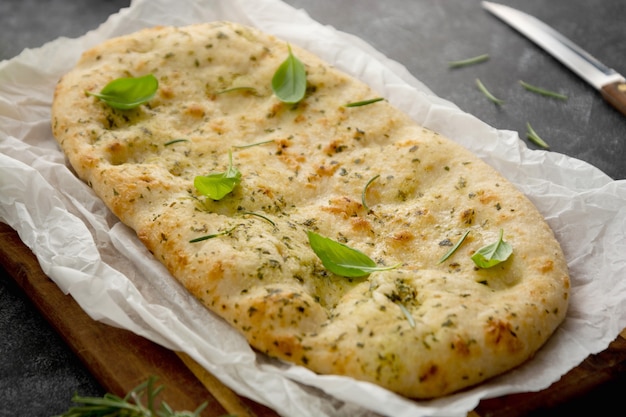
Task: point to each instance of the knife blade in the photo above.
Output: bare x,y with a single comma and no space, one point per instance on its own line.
607,81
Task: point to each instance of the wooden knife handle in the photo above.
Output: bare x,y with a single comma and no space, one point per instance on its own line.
615,94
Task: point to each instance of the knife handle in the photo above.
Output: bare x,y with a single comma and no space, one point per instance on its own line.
615,94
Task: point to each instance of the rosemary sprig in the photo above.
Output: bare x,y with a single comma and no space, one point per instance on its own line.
487,94
542,91
469,61
130,406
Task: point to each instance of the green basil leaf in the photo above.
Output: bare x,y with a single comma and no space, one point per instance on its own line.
343,260
289,80
128,93
217,186
493,254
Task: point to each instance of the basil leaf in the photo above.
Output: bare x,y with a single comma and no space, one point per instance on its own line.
341,259
289,80
128,93
217,186
493,254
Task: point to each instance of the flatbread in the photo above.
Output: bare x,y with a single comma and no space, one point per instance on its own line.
365,176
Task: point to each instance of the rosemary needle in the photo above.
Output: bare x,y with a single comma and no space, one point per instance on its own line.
363,194
534,137
542,91
173,141
469,61
364,102
487,94
454,248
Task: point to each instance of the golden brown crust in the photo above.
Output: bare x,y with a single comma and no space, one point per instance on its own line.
307,170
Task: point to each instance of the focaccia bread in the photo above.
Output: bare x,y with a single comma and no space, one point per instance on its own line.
367,177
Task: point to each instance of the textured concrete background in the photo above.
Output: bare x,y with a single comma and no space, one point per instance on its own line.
39,374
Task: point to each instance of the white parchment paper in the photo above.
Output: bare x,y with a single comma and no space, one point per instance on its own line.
97,260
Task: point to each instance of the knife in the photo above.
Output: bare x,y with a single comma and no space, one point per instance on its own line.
609,82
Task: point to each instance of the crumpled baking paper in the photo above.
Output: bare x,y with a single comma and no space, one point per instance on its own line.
90,255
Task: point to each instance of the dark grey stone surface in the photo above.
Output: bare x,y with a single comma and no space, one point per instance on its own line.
424,35
38,373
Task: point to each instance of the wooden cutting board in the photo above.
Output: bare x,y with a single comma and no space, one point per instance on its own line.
121,360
